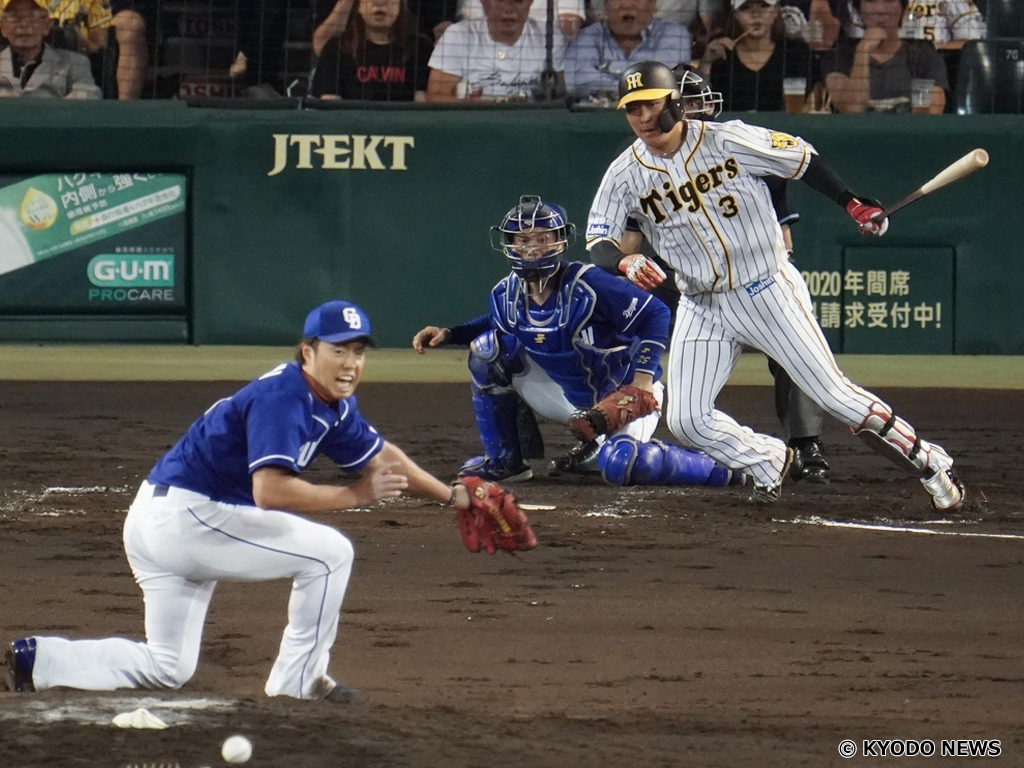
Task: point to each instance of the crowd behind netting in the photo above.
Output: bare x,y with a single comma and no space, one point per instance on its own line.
806,56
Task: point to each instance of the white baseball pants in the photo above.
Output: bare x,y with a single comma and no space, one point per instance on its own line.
546,398
179,545
776,317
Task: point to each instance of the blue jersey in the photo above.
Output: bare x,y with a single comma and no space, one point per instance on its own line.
592,334
275,420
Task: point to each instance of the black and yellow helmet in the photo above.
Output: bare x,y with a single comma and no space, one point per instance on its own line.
646,81
650,80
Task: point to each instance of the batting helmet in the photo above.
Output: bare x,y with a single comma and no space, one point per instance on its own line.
534,261
648,81
698,100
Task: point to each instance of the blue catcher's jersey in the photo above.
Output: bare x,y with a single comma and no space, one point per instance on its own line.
274,420
591,334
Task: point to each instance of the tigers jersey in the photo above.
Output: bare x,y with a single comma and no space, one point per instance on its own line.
939,21
87,14
275,420
706,210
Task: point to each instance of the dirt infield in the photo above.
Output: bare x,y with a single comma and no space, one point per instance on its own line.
651,627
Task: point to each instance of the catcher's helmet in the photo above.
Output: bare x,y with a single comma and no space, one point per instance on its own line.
532,216
647,81
698,100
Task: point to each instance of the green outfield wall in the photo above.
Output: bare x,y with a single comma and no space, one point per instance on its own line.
391,208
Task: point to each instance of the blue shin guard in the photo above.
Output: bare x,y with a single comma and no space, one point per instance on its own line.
625,461
496,406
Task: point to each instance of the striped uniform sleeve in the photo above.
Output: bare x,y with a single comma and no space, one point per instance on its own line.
764,152
609,210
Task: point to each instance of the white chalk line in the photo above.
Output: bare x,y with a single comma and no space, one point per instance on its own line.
820,521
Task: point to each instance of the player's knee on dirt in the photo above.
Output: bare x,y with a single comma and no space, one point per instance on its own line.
626,461
892,437
172,669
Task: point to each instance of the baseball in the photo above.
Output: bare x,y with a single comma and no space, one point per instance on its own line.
236,749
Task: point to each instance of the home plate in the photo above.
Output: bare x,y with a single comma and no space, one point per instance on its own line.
537,507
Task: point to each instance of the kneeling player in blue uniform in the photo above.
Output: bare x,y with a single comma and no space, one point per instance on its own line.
559,336
216,507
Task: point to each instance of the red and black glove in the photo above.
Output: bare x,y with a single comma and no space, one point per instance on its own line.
493,520
867,213
617,409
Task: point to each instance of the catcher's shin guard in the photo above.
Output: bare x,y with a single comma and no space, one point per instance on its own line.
890,436
625,461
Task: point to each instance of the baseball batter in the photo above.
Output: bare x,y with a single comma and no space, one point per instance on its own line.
560,336
694,187
220,504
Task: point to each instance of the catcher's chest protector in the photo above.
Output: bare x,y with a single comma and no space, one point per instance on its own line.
584,355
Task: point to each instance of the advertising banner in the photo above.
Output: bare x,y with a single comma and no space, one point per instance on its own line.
93,243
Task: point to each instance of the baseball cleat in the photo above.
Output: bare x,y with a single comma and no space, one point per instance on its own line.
810,464
21,659
493,470
581,460
341,694
769,494
946,489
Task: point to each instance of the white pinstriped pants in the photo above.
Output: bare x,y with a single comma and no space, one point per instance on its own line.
179,546
776,317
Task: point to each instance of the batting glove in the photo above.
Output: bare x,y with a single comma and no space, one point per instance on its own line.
642,272
866,213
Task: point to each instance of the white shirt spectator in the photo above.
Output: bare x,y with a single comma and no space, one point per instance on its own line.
937,21
474,9
501,71
678,11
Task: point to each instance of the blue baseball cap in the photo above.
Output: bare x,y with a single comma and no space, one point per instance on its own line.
337,322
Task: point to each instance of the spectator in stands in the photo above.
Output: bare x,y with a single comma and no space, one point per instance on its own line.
30,67
501,57
379,57
629,34
703,18
751,60
875,72
569,15
946,24
811,21
85,26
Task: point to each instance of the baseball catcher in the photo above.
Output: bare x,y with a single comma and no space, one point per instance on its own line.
493,520
567,342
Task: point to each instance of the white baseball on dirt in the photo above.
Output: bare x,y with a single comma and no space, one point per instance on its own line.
236,749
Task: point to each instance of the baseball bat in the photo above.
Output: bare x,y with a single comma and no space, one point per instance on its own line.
969,163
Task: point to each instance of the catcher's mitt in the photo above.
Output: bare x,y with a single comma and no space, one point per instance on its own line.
618,408
493,521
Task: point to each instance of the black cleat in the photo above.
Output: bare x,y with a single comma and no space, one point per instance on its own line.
21,659
494,471
341,694
581,460
810,464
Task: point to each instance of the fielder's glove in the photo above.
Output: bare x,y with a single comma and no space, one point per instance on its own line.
865,213
494,520
618,408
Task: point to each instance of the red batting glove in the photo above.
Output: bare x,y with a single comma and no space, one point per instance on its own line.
866,214
642,272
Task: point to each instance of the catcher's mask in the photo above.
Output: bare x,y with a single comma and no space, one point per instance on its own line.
534,236
649,81
697,99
